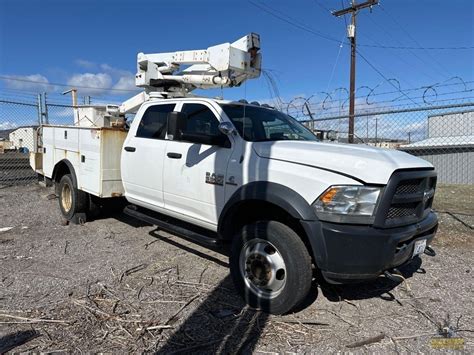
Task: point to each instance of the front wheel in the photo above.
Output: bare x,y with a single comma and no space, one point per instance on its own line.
270,266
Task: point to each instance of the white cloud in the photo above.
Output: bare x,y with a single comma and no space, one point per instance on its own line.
116,72
91,84
33,82
85,64
126,83
105,82
7,125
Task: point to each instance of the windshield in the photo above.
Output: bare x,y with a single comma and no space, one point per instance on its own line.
259,124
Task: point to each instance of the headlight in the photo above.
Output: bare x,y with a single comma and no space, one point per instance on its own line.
347,204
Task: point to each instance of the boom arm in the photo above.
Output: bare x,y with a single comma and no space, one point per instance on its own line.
223,65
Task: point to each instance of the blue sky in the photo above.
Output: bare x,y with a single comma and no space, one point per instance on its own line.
94,43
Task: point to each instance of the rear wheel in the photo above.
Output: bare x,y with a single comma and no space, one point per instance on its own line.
73,203
270,266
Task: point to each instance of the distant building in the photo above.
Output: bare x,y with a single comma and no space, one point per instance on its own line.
387,143
4,145
449,147
23,138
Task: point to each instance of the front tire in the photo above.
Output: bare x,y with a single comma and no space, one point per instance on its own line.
270,266
73,203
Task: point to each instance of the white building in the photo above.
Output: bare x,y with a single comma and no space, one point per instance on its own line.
449,147
23,137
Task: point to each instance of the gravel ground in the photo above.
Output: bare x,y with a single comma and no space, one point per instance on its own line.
114,284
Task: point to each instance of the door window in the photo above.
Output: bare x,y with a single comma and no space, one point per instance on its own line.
202,126
154,121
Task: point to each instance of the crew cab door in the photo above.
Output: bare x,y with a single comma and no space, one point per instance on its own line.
195,166
143,155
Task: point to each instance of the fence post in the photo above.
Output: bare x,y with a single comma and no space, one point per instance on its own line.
40,109
46,118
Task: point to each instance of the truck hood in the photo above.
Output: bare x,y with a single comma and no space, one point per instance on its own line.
362,162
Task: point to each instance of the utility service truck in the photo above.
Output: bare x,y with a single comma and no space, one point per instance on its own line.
216,171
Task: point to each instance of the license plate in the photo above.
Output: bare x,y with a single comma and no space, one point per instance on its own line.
419,247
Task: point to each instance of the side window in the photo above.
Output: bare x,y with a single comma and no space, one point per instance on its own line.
153,122
202,126
201,121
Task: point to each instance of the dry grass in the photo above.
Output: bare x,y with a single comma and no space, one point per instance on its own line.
114,285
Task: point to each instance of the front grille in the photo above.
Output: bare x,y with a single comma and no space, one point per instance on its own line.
409,187
407,198
401,211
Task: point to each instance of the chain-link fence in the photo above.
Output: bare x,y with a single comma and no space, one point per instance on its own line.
20,116
18,122
440,133
443,135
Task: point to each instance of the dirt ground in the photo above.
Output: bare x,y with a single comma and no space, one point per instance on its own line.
117,285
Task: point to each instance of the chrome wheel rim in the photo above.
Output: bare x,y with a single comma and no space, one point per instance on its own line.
262,268
66,197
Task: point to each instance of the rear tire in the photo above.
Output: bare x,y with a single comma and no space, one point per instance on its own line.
73,203
270,266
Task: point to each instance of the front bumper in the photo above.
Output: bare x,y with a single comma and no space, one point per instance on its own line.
355,253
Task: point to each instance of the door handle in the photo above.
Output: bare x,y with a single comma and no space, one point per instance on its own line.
130,149
174,155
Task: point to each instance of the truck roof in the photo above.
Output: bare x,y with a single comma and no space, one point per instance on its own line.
217,100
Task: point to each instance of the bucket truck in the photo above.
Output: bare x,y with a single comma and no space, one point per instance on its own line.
245,175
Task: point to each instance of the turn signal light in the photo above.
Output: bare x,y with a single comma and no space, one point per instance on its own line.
328,195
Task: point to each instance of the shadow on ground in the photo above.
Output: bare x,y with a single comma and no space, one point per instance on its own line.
10,341
222,324
380,288
223,249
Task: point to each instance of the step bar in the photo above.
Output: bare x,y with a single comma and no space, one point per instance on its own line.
153,218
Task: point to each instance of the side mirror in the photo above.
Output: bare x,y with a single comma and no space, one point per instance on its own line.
227,128
176,125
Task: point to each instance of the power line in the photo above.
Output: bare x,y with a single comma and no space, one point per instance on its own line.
335,64
292,22
321,5
383,76
415,41
298,24
419,48
63,85
15,92
395,53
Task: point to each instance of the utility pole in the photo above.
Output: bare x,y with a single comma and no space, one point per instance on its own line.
351,34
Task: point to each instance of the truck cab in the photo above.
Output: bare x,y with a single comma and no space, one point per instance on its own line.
224,166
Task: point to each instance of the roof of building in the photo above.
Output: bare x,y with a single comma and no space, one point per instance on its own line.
23,127
450,113
442,142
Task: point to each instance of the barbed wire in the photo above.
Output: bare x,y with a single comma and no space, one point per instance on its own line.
429,95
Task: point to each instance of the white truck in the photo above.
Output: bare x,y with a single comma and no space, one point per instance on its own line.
217,171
